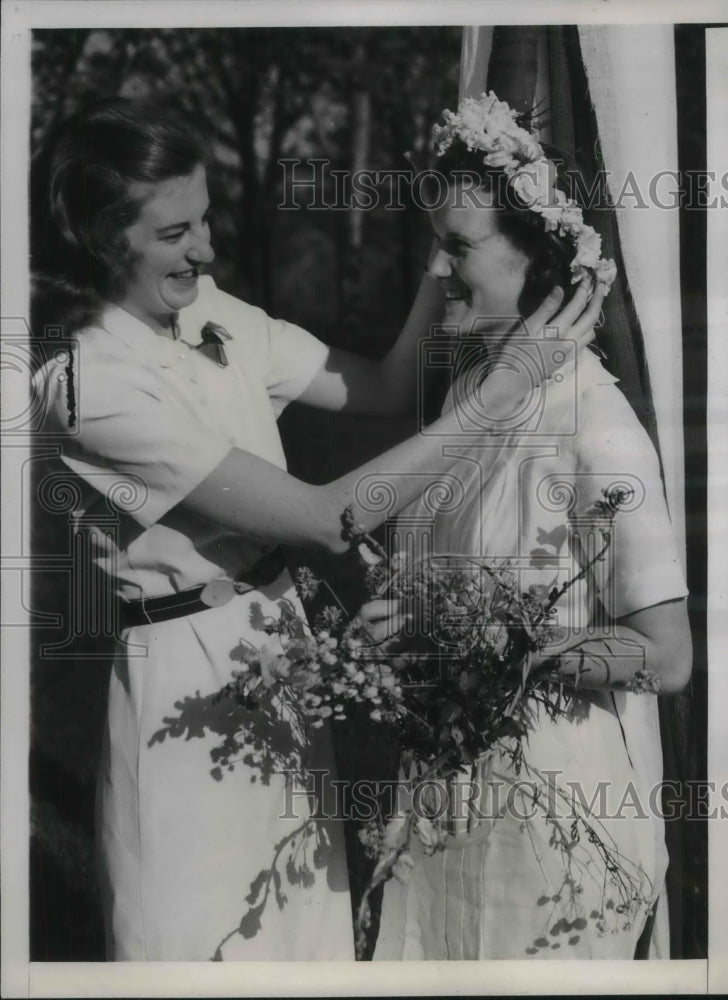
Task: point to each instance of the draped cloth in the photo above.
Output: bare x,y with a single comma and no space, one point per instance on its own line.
631,74
606,96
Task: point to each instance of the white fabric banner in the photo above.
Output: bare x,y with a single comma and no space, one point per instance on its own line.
631,74
474,59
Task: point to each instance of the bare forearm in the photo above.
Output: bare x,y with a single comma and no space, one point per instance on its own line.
252,497
619,658
400,370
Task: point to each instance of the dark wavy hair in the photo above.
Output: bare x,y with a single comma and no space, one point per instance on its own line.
550,255
81,201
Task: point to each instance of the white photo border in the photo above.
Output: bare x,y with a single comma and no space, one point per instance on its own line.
23,978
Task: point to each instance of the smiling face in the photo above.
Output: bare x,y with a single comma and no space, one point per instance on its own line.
478,267
169,240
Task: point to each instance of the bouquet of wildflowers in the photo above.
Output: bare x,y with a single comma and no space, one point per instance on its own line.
459,687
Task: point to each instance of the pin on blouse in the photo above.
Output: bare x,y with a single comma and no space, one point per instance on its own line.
212,346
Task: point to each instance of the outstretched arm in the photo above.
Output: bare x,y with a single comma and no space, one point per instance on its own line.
387,387
252,497
351,384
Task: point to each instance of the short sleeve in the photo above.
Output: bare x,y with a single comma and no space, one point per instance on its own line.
136,441
642,566
294,358
285,356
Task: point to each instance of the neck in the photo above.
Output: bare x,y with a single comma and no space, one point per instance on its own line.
163,326
493,332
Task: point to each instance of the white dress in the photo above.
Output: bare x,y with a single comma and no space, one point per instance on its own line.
498,889
181,839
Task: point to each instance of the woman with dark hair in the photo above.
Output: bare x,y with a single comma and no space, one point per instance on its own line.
508,882
169,403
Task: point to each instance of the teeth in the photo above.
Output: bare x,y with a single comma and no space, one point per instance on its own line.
191,273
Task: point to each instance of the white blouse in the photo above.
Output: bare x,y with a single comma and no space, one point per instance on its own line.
155,417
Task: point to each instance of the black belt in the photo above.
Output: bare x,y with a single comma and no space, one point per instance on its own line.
211,595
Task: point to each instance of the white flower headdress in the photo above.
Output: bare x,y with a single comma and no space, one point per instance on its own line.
488,125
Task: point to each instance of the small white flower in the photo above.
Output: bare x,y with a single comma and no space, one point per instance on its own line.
398,562
370,558
528,148
395,832
588,248
605,271
403,867
273,664
430,835
553,213
534,183
572,220
502,161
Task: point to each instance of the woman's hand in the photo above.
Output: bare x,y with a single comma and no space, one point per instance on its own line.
575,322
382,619
492,390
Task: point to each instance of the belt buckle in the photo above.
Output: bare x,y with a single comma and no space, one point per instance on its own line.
218,592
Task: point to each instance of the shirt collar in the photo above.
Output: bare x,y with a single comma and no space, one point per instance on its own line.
591,367
586,367
136,335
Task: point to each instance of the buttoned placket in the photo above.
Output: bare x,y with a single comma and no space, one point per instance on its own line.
184,354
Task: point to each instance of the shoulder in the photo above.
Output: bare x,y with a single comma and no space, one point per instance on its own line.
609,429
213,304
97,376
247,325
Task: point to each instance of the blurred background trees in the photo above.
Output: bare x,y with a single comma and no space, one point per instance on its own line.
356,97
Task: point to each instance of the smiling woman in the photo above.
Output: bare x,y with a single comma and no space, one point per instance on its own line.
533,259
477,263
508,884
169,241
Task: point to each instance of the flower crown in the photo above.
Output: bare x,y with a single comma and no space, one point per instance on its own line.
489,125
